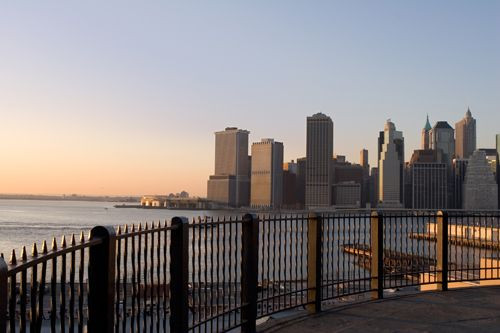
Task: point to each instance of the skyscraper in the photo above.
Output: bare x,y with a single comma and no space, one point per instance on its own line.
480,187
374,178
498,166
301,181
391,167
429,180
230,184
465,132
319,152
425,135
363,159
345,172
442,136
267,174
365,187
459,170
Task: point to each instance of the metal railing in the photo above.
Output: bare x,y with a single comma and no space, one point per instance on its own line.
216,274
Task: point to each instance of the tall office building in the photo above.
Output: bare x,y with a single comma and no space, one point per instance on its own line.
491,158
391,167
319,152
425,135
498,166
365,187
374,187
266,189
363,159
301,181
230,184
480,187
347,195
442,136
400,150
465,140
459,170
429,180
345,172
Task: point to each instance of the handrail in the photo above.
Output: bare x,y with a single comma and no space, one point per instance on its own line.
13,269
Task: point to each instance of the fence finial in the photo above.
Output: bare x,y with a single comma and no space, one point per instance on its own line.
24,257
44,247
63,241
34,251
119,230
82,237
125,229
13,260
73,242
54,244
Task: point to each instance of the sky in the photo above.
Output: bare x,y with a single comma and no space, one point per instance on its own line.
124,97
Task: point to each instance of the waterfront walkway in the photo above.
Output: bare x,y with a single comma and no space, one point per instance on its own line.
461,310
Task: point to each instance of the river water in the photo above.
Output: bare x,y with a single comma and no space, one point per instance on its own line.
23,222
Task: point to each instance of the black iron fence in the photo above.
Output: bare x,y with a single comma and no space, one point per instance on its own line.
217,274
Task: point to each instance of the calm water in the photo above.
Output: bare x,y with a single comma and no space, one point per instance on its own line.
23,222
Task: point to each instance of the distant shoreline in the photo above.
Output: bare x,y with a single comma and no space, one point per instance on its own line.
72,197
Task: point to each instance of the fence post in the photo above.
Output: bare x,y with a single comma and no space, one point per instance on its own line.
442,250
249,272
179,265
3,296
377,255
102,261
314,263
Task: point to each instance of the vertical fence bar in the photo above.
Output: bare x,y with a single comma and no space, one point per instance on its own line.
442,251
314,263
249,272
101,285
179,265
3,296
377,255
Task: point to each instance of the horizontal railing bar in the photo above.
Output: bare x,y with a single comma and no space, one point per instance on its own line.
286,309
207,320
41,258
144,232
202,224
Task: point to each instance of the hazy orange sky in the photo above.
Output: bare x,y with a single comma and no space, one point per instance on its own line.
123,99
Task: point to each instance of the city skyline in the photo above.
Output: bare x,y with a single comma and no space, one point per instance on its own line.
123,100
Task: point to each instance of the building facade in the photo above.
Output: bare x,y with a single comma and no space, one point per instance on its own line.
319,152
429,180
345,172
498,166
230,183
374,178
365,187
459,170
266,189
391,167
301,181
480,187
442,136
465,136
347,195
